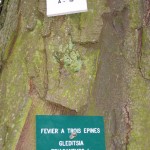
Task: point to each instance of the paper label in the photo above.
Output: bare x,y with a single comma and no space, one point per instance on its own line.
62,7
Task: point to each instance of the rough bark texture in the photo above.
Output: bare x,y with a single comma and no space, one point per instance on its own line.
94,63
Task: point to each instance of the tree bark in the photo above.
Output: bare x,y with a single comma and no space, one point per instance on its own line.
94,63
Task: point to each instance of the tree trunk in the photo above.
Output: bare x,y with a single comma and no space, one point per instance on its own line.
94,63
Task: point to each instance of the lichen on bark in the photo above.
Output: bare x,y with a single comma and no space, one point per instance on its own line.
93,63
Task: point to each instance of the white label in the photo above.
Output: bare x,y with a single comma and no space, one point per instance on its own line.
62,7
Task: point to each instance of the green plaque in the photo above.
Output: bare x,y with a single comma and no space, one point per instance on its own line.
70,133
